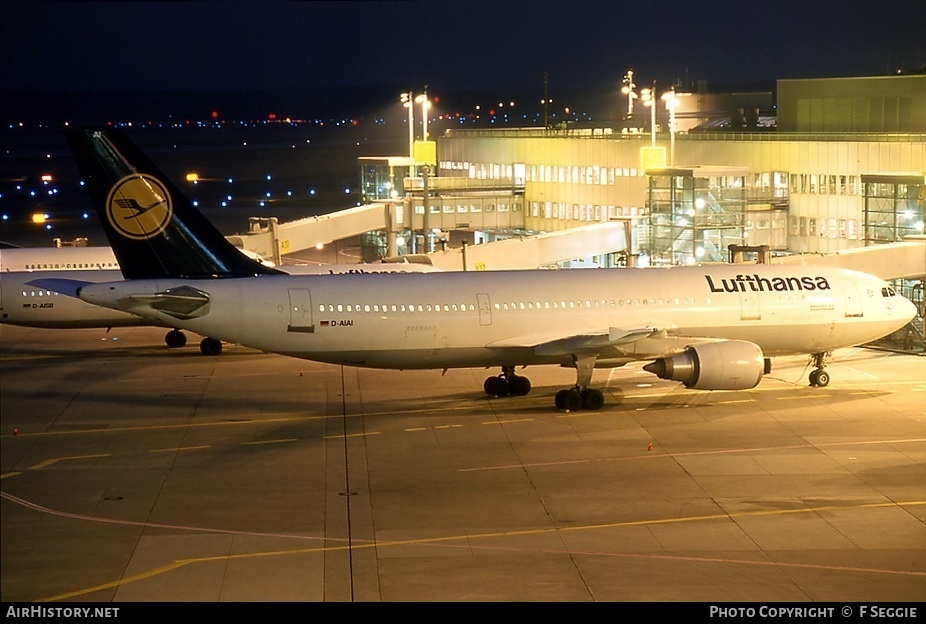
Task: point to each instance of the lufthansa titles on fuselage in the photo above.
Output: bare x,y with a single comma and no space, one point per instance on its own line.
756,283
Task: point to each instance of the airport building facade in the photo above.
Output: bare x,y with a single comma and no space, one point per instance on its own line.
845,168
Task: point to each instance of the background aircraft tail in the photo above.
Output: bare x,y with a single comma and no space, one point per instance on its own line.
154,230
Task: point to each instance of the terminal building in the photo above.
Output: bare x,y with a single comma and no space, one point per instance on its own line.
843,169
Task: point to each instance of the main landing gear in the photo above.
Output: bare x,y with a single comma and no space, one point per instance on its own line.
507,383
581,396
208,346
572,399
569,399
175,339
818,376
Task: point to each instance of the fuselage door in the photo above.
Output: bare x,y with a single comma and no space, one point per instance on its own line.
300,311
485,308
853,299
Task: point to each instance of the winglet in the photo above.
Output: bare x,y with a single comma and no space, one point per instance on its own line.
154,230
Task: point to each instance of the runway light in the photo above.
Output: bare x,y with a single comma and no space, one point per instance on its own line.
39,218
192,177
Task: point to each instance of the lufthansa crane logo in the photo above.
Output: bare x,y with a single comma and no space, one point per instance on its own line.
139,206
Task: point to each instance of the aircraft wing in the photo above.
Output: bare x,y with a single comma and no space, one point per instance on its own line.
560,344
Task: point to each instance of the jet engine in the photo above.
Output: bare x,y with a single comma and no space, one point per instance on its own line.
728,365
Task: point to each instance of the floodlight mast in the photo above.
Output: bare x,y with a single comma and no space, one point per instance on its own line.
408,100
649,99
627,90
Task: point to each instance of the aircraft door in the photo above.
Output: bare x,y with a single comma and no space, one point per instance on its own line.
485,308
853,300
300,311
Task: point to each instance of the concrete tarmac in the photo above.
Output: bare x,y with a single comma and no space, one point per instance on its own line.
134,473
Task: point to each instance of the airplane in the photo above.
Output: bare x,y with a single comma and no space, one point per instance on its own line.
710,327
25,305
64,258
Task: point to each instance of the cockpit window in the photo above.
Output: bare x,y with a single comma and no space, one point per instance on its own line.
887,291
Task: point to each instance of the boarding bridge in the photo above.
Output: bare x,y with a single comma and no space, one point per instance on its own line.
531,252
272,240
890,261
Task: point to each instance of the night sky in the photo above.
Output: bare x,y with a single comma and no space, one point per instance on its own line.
270,44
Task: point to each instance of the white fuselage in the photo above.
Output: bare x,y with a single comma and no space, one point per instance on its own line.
25,304
17,259
462,319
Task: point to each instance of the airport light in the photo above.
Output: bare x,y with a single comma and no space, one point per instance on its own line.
425,105
649,99
627,90
408,102
671,100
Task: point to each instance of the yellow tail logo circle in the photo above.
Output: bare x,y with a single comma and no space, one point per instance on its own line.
139,206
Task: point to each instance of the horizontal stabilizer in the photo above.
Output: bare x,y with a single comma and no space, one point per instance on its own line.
61,285
183,302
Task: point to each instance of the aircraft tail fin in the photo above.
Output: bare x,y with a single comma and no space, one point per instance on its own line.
154,230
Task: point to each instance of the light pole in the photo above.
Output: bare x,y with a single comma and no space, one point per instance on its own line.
409,103
649,99
671,102
425,105
627,90
426,168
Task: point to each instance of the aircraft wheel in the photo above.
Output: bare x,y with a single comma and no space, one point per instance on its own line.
519,386
823,378
210,346
496,386
569,399
592,399
175,339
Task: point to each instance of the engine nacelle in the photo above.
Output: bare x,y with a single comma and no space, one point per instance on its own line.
728,365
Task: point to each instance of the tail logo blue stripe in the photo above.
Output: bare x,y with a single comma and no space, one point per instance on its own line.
139,207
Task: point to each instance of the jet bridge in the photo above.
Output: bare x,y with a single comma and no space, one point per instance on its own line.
890,261
272,240
541,250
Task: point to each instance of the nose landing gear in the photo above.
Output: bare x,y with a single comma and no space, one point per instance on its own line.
819,377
